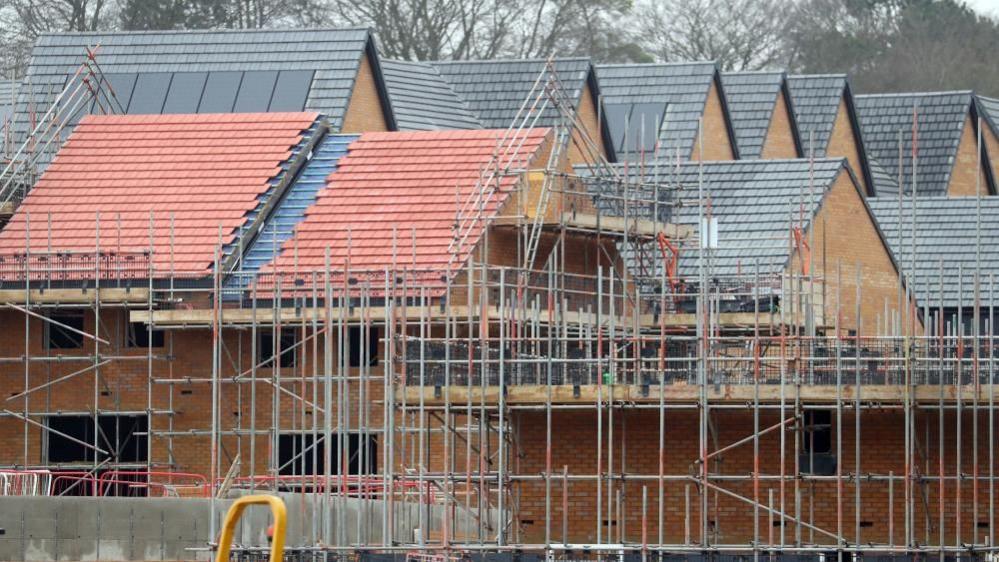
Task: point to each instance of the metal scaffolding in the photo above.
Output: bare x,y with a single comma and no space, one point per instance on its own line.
550,405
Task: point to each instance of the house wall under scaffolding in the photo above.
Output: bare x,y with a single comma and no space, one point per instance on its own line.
593,403
587,410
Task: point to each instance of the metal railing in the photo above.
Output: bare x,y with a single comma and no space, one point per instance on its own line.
813,361
72,267
25,482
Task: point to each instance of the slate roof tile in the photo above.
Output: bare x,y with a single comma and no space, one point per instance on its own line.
989,110
683,87
945,245
751,98
941,118
8,91
754,201
331,55
495,90
422,100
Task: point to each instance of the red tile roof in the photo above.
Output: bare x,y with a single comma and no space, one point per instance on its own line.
205,171
410,182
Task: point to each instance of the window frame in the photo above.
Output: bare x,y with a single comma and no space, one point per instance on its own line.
67,317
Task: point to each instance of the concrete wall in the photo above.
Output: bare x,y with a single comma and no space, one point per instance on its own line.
74,528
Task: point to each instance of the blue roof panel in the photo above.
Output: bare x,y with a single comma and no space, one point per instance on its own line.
301,194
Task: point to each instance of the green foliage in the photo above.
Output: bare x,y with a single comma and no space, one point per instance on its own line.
153,14
895,45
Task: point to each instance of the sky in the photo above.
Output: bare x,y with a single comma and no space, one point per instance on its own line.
990,7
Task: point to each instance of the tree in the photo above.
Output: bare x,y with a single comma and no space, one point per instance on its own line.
594,28
835,35
895,45
738,34
463,29
214,14
939,46
407,29
22,21
153,14
15,46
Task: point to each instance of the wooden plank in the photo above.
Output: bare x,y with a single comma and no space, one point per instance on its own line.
264,315
684,393
620,225
76,296
245,316
608,225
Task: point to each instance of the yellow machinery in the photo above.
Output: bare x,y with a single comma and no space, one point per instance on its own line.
236,511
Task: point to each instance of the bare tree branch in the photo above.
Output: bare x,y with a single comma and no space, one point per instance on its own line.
738,34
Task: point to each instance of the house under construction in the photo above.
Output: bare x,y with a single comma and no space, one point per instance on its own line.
497,342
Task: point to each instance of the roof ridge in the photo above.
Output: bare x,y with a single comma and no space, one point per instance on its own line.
510,59
758,72
491,133
917,94
754,162
820,75
766,161
907,197
402,61
654,64
195,31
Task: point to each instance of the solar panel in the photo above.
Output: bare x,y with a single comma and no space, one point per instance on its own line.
291,90
185,92
646,118
121,85
220,92
617,116
255,91
150,92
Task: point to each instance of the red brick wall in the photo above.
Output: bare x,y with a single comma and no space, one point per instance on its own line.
123,386
364,112
636,452
717,141
969,171
780,135
634,439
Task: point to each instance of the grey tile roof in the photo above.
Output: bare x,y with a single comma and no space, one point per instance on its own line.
422,100
8,89
990,113
332,55
816,99
881,177
495,90
941,119
754,201
945,234
683,87
751,98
